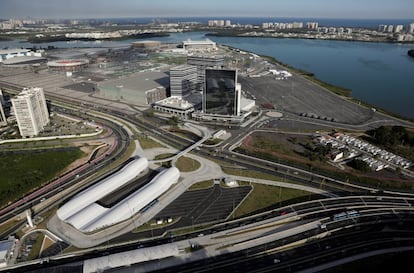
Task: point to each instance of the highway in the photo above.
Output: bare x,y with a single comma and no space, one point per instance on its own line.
272,232
312,257
309,227
72,177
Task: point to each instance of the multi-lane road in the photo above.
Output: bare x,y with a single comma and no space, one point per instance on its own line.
374,211
296,236
66,180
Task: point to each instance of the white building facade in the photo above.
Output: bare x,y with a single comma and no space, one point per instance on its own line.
31,111
3,120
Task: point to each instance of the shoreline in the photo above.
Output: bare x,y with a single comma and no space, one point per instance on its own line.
243,35
35,40
344,93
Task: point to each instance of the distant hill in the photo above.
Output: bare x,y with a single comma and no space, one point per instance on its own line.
411,52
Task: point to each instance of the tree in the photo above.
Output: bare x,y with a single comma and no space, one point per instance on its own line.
174,120
360,165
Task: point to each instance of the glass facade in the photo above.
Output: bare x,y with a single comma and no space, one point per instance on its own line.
220,96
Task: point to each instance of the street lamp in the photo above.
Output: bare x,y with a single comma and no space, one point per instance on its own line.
192,222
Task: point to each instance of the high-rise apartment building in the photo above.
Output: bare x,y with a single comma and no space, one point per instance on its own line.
398,28
183,80
411,28
3,120
31,111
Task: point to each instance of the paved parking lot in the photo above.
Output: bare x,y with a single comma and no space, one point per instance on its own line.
196,207
204,206
297,95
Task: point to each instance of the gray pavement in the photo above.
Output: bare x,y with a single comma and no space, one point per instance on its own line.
297,95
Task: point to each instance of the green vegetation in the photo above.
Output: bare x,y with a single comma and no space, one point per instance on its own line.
21,172
317,152
186,164
34,253
201,185
341,91
212,141
153,225
360,165
185,230
396,139
163,156
169,59
185,134
63,38
148,143
6,226
307,156
310,76
269,144
249,173
174,121
263,196
3,38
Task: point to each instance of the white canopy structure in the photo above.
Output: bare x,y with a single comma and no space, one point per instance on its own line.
86,215
99,190
135,202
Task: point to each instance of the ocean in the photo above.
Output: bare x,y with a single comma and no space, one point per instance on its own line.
380,74
367,23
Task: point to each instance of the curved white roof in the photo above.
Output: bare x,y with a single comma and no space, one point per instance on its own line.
135,202
66,63
86,215
107,185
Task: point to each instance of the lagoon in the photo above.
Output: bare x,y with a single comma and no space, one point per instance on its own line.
380,74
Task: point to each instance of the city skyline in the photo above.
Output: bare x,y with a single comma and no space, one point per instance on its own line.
365,9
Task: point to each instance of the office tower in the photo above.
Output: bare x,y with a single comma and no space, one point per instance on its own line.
203,62
183,80
221,97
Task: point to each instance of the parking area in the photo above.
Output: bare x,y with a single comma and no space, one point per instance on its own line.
204,206
300,97
195,208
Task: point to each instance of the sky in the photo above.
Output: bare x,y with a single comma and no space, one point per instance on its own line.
72,9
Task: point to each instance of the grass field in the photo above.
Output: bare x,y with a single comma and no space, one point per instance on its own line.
264,196
186,164
148,143
290,149
25,171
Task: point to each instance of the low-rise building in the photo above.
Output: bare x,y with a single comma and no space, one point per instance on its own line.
205,45
175,106
6,251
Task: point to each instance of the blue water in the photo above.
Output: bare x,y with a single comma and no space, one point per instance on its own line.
367,23
378,73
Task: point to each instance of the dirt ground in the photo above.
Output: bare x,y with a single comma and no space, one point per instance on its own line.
288,146
87,150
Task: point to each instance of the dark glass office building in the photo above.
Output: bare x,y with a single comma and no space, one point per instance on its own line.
220,95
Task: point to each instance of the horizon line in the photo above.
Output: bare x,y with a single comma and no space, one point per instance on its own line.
203,16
